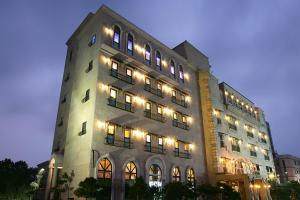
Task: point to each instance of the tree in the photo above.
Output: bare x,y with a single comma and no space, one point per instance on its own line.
68,180
207,191
139,190
15,179
87,188
227,192
177,191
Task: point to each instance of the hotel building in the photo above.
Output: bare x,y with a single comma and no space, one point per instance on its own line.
237,142
130,106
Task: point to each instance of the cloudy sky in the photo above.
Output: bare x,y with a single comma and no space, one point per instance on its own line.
252,45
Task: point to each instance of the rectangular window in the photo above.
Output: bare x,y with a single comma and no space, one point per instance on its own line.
128,72
147,55
176,151
127,135
148,106
160,141
148,138
90,67
83,128
147,81
128,98
173,93
113,93
184,119
175,116
173,70
87,96
114,65
92,40
111,129
159,110
116,37
221,138
159,86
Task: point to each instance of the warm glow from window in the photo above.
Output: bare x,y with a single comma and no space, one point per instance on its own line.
108,31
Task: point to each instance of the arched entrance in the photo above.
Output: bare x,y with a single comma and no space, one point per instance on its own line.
104,175
155,175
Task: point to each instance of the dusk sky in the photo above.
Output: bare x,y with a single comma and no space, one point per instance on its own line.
252,45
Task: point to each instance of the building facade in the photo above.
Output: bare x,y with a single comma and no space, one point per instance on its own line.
130,106
288,168
237,141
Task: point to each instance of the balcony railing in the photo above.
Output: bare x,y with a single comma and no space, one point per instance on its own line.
178,124
253,153
179,102
122,77
158,150
236,148
123,106
232,126
154,116
152,90
250,134
185,154
111,140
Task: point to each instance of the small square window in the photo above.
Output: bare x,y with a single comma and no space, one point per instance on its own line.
111,129
127,133
127,98
147,81
128,72
92,40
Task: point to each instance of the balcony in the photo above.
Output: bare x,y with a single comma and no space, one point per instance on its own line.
125,143
125,78
154,116
185,154
123,106
236,148
158,150
177,124
152,90
253,153
250,134
232,126
179,102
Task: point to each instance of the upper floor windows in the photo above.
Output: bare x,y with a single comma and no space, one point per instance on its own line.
158,60
181,75
116,37
92,40
172,69
130,44
147,54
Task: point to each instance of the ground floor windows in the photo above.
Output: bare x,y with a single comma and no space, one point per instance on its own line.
104,169
176,174
190,176
155,176
130,171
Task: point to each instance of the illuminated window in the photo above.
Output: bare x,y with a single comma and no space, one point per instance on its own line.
181,76
113,93
160,145
148,138
130,44
104,169
92,40
155,176
176,174
173,93
159,110
127,136
158,61
191,176
158,86
111,129
176,151
160,141
129,72
147,54
148,106
114,65
184,119
147,81
128,98
172,68
175,116
130,171
116,37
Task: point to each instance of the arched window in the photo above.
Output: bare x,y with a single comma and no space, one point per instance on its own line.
155,176
190,176
130,171
104,169
148,54
181,76
116,38
130,44
172,68
176,174
158,60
